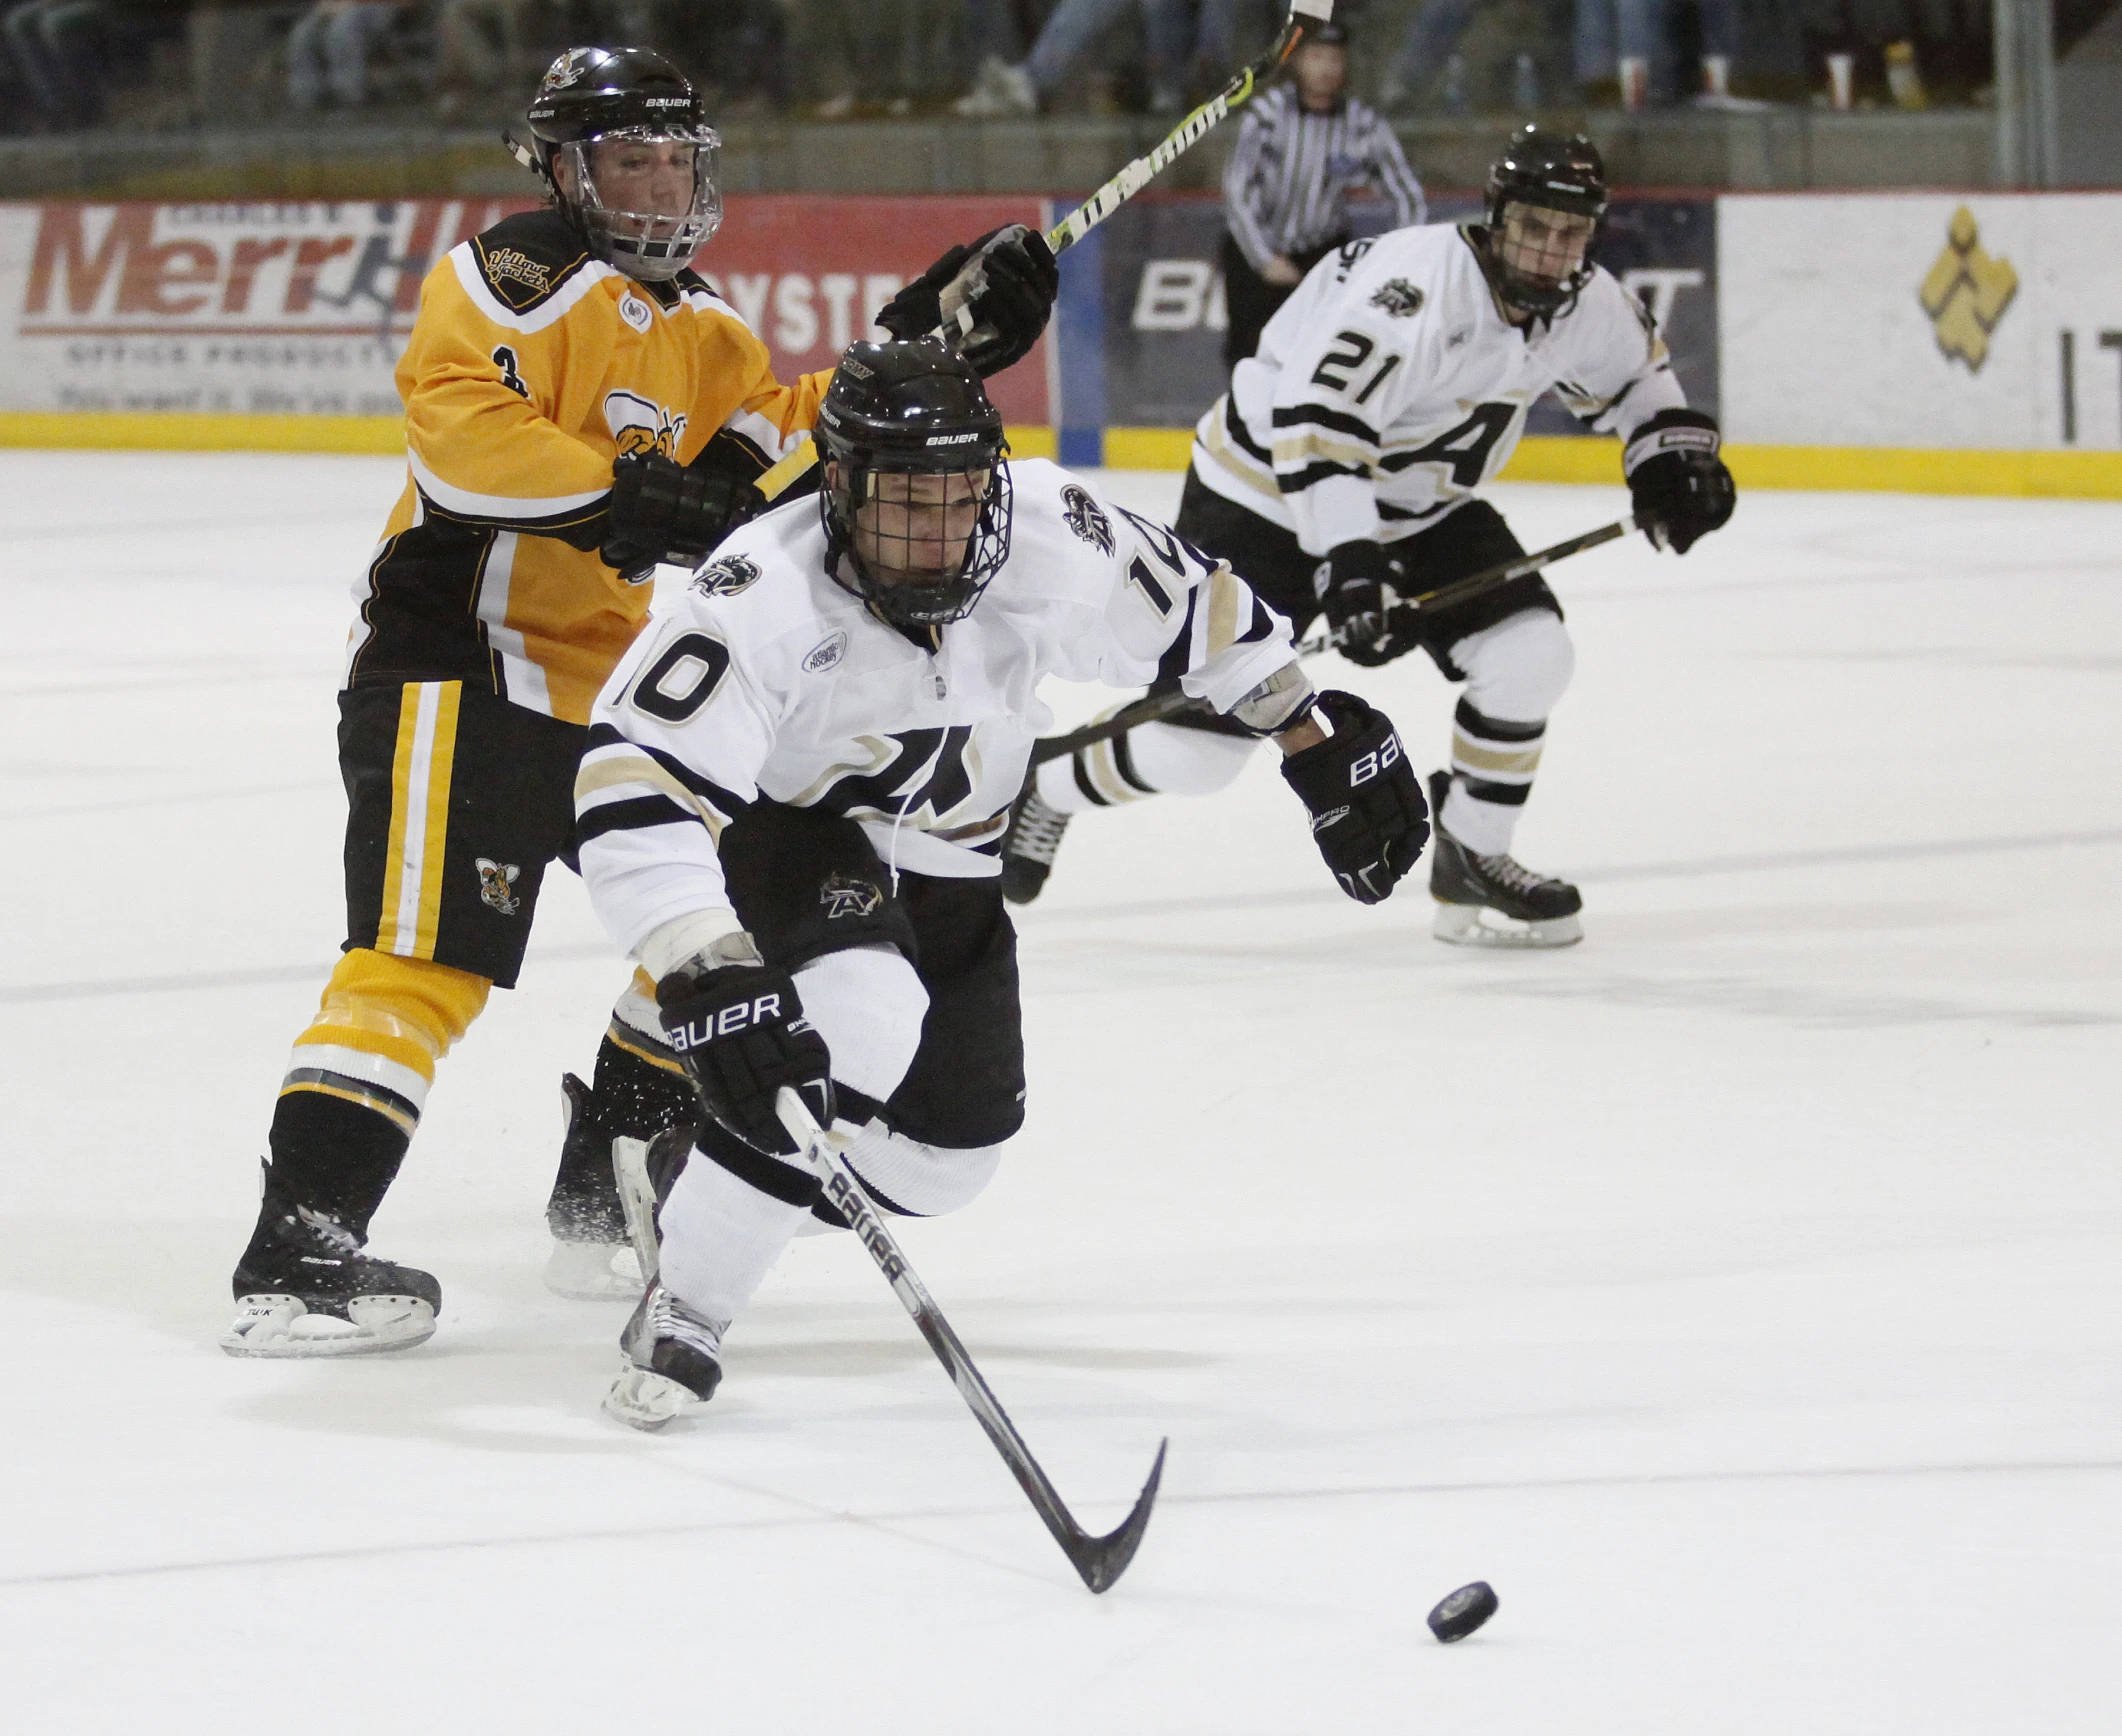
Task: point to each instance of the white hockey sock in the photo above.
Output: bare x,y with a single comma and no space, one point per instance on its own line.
1515,672
721,1236
1151,759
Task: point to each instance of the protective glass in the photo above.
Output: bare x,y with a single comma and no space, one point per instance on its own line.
651,246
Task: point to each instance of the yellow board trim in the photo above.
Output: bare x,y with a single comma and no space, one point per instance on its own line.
182,431
1539,458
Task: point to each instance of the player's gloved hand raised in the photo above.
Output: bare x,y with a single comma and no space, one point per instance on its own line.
1368,816
1009,280
738,1022
1369,624
662,510
1681,487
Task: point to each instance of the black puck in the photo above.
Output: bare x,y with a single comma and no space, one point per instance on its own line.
1462,1612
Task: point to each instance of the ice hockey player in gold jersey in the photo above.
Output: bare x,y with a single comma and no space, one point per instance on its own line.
580,406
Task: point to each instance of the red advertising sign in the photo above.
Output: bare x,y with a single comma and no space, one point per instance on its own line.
304,308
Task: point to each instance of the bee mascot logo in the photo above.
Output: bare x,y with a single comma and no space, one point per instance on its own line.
497,885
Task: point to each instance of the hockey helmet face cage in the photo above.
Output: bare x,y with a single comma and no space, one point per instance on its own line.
1546,204
916,505
608,125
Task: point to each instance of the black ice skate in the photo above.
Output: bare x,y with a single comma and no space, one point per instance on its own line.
1526,909
591,1258
672,1362
1028,847
305,1287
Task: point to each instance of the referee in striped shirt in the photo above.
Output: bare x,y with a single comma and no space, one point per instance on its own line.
1303,146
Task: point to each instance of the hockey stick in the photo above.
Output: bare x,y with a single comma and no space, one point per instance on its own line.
1132,178
1153,706
1100,1560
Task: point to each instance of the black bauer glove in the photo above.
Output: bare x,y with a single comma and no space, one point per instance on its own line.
665,511
1368,816
741,1031
1369,626
1681,488
1007,277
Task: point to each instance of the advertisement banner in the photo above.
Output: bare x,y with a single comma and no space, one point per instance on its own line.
1982,321
1163,308
303,308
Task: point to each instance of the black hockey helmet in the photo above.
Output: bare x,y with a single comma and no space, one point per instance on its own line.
905,410
1554,173
590,94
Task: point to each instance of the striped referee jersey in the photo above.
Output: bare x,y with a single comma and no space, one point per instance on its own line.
1286,189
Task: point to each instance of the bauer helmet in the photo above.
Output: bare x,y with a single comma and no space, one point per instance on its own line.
1543,274
624,94
918,553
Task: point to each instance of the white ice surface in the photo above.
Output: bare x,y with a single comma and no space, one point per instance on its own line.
1739,1292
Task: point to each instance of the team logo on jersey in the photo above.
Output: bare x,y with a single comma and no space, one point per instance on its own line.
1398,297
634,311
826,654
519,267
497,881
1966,293
844,895
726,577
1086,520
639,425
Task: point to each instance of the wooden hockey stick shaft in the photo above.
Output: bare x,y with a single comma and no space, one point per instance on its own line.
1099,1560
1153,706
1116,192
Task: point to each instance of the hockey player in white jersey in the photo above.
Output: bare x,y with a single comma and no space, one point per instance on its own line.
1339,474
793,799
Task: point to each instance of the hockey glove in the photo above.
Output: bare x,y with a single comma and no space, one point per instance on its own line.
663,511
1370,625
1682,490
1368,816
1009,280
738,1024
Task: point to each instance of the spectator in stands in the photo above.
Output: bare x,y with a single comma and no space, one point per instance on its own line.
57,46
1303,147
1175,41
1630,45
479,45
329,49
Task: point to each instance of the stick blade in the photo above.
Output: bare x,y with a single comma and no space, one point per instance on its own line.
1101,1560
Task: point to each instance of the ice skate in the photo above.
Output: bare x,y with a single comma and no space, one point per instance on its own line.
306,1287
672,1362
592,1258
1028,848
1494,900
647,1169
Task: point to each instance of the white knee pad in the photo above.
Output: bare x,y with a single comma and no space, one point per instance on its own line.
1188,762
868,1005
1517,669
926,1180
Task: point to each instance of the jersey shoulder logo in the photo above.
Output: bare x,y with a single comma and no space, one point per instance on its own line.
1084,518
845,895
826,654
1345,260
497,883
527,259
1398,297
728,576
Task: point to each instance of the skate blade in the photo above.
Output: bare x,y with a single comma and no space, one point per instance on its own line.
284,1326
637,1199
643,1399
593,1272
1462,925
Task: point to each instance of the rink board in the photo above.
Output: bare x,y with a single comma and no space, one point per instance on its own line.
1932,343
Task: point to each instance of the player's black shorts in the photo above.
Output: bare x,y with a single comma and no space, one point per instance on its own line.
456,803
806,883
1270,560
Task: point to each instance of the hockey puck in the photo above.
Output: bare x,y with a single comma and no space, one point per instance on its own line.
1462,1612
